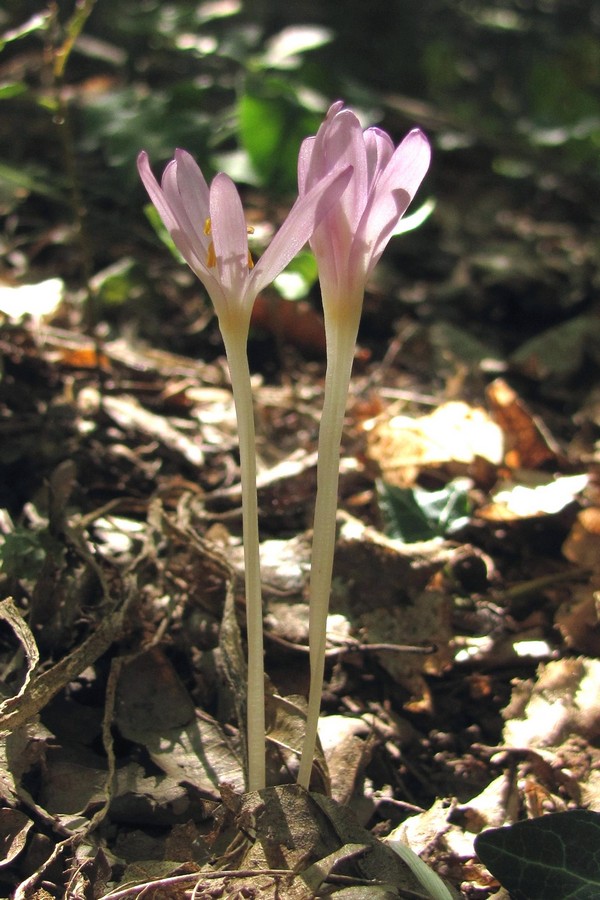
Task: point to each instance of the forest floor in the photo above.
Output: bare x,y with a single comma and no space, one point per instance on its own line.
463,654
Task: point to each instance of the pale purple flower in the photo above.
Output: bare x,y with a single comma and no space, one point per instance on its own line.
208,228
352,236
347,244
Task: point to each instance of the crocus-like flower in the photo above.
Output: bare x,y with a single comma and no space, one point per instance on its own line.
355,232
347,245
208,228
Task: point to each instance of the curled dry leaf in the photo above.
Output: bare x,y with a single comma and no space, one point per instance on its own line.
528,442
14,827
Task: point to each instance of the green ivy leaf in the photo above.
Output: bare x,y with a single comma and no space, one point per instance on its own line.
555,856
272,125
414,514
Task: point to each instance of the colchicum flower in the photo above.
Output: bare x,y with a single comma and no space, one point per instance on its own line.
347,245
208,228
352,236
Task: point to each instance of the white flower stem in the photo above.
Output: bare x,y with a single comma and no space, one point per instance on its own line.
341,340
237,357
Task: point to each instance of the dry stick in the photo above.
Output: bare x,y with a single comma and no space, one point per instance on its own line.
235,347
341,340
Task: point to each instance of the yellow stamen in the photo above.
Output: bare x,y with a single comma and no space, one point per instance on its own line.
250,230
211,256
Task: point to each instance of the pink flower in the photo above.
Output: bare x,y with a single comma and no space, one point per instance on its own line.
347,244
208,228
354,233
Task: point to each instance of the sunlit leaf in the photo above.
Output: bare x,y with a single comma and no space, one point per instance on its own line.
35,23
11,89
283,50
297,279
409,223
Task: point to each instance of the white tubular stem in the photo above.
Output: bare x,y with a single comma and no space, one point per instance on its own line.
236,347
341,340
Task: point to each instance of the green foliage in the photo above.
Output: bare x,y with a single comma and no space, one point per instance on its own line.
38,22
115,285
555,856
297,279
414,514
118,124
161,232
272,124
23,552
15,181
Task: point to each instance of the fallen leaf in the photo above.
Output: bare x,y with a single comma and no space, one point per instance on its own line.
14,827
454,433
582,545
578,620
34,300
294,323
528,443
536,496
564,700
155,710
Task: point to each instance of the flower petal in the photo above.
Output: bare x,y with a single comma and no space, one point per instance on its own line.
408,165
344,144
305,215
165,208
391,194
304,157
230,236
339,141
380,149
194,193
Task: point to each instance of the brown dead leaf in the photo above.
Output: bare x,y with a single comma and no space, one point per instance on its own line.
445,833
579,621
294,323
155,710
454,434
347,751
564,700
286,725
582,545
387,596
528,442
14,827
315,827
